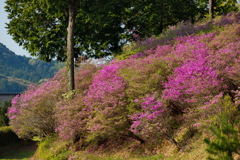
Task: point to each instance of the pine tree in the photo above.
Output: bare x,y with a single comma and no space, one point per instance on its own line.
226,131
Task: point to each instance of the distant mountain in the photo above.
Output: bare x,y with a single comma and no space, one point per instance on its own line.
17,72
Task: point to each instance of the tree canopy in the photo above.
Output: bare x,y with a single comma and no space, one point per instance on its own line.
101,26
57,29
42,28
153,16
218,7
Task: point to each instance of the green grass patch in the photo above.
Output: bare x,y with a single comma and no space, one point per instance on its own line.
52,149
87,156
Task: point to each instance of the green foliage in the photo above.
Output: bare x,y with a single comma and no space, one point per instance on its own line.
101,26
69,95
225,130
153,16
52,149
220,7
7,135
109,124
3,111
144,77
97,28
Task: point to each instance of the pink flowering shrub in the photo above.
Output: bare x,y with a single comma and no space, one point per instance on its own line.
237,97
145,96
196,79
106,84
71,119
224,56
31,113
106,99
228,19
207,112
198,116
84,76
193,82
72,115
181,30
152,121
182,73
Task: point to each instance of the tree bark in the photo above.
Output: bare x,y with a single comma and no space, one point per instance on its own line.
171,139
211,12
70,44
132,135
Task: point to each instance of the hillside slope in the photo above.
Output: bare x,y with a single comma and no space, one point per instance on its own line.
16,72
156,101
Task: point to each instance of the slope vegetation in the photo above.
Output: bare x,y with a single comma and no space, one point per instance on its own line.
156,101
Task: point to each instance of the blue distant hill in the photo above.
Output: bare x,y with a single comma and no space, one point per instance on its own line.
17,72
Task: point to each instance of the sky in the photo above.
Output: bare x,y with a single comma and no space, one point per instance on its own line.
5,38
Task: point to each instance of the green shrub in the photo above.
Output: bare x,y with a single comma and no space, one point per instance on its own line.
3,110
225,130
7,136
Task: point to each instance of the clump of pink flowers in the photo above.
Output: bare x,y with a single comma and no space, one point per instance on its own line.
146,95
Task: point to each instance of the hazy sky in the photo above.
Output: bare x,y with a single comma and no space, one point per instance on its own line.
5,38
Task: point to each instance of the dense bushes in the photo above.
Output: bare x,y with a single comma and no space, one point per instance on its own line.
71,114
32,113
180,30
3,111
145,96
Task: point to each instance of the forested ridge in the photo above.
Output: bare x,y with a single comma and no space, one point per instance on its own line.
17,72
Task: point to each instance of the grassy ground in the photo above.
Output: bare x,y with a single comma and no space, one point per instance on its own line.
20,151
52,149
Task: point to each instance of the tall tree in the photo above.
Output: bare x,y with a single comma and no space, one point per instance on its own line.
49,29
94,28
70,41
211,8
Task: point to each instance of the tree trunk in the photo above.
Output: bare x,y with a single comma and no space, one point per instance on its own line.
70,44
132,135
171,139
211,14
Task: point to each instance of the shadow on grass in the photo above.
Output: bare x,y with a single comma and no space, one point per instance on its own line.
22,150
